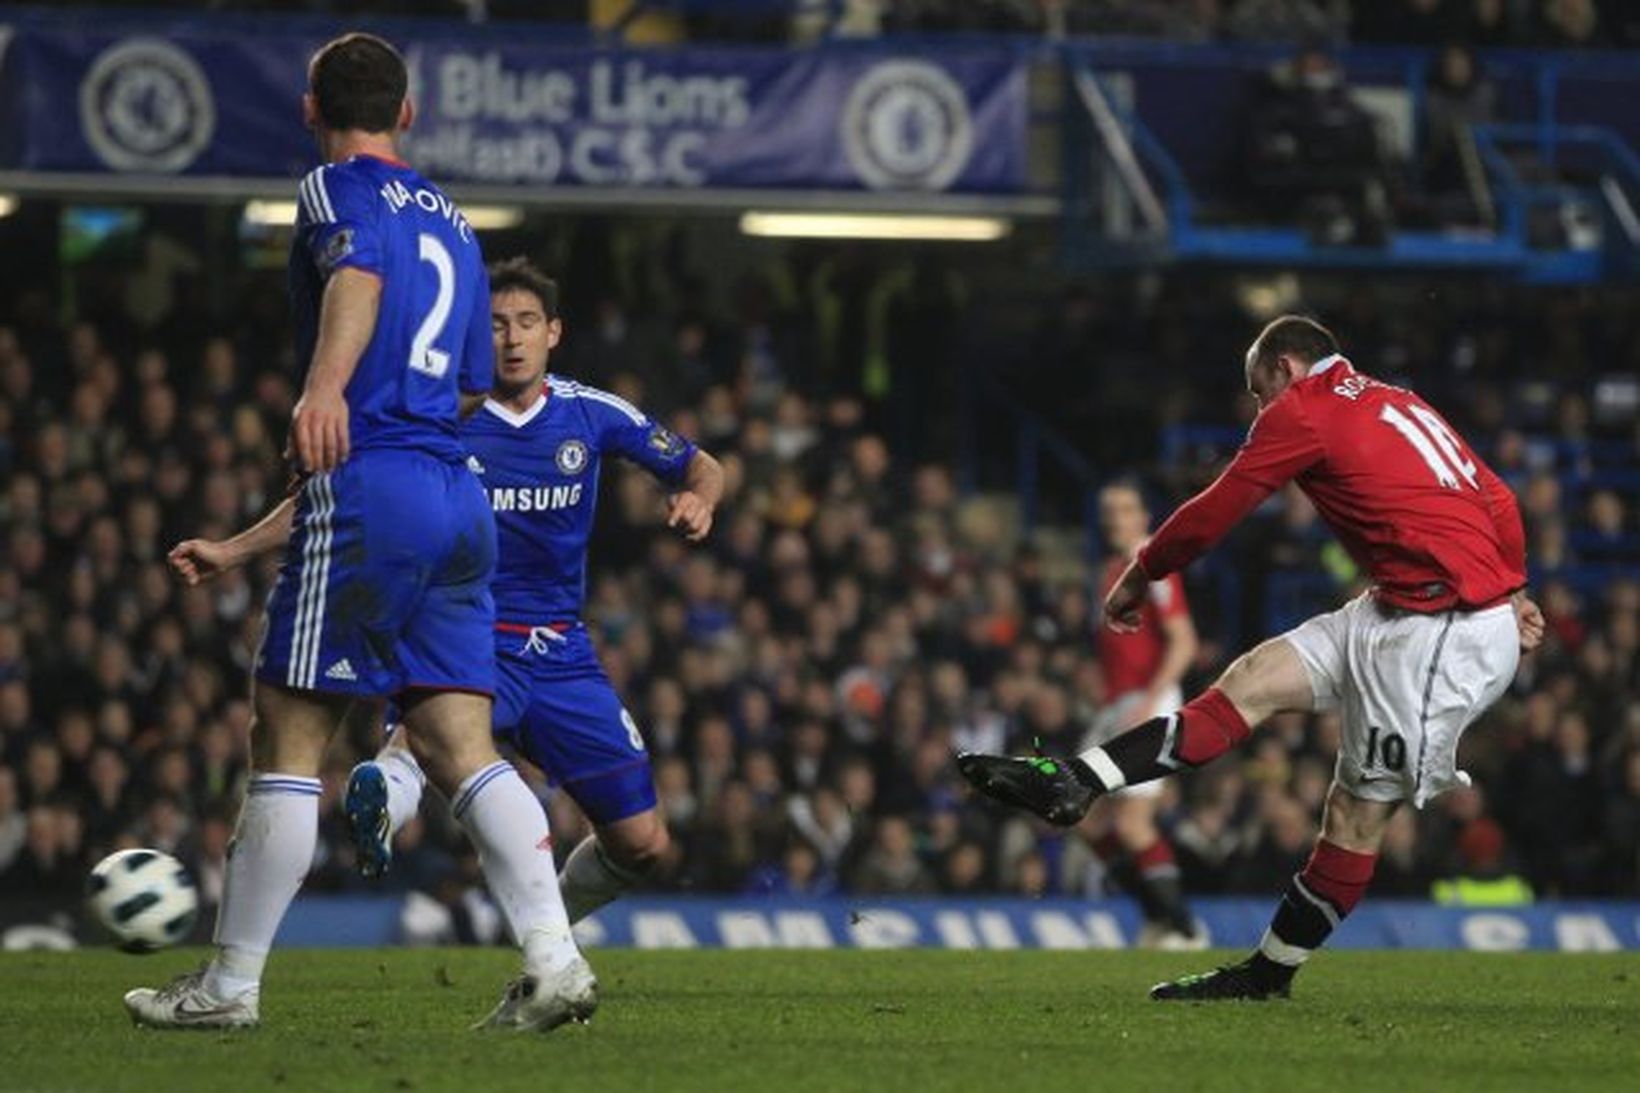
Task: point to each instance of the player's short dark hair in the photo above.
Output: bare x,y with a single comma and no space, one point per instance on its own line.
521,275
1294,336
1130,483
359,82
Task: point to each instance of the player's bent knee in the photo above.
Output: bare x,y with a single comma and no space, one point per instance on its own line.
637,843
446,766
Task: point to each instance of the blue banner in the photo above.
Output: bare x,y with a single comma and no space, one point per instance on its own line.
653,923
836,923
200,102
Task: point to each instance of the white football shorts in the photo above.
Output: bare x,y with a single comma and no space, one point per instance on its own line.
1408,684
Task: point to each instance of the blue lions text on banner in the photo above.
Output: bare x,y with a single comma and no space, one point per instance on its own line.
218,104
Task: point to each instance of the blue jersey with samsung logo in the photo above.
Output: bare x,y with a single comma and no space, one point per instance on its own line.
432,333
540,472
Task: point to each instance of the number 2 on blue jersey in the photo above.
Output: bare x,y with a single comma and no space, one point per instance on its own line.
425,357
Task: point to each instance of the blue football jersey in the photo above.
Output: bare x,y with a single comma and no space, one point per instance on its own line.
540,471
432,331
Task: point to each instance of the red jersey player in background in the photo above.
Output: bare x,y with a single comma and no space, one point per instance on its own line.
1142,670
1410,663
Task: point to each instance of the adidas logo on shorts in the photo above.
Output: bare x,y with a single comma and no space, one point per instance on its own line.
342,670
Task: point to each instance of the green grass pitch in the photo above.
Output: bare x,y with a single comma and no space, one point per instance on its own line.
905,1021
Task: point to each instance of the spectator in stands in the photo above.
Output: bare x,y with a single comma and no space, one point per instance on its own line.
891,866
1489,23
1607,538
963,870
1570,24
1456,99
1311,150
1486,874
53,862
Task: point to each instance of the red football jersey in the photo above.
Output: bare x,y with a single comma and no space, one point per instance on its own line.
1411,502
1130,661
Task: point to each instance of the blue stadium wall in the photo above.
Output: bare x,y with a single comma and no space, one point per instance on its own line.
835,923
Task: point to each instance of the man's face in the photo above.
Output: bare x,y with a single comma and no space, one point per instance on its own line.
1123,517
1268,378
524,338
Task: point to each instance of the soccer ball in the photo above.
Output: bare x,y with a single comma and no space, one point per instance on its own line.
145,898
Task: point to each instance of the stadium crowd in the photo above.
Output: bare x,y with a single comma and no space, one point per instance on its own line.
804,679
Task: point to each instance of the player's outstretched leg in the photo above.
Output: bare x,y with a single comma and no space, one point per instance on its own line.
383,794
1061,791
1263,681
1317,900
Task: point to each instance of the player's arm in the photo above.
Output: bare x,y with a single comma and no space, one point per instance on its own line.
695,478
1505,512
691,508
478,348
338,224
200,560
1500,500
1281,446
347,321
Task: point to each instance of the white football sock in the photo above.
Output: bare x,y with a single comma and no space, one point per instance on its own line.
271,853
404,785
591,879
509,828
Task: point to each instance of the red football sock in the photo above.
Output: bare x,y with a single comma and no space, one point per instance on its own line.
1209,726
1337,875
1158,856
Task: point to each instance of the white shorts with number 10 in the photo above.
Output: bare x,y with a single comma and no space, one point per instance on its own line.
1408,684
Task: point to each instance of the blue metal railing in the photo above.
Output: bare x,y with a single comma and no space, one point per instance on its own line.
1510,246
1034,442
1617,158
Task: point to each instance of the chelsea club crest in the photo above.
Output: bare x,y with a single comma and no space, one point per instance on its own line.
146,105
571,457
